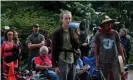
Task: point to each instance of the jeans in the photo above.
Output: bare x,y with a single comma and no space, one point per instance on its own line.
67,71
51,74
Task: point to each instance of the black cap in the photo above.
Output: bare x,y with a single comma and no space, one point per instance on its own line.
36,26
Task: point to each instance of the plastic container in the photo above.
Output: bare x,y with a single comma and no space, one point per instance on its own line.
74,25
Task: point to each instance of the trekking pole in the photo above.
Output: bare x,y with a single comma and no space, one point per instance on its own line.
102,75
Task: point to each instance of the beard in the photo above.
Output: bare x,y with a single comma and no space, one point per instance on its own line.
35,33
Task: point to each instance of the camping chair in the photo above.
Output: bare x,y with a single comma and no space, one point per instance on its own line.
36,75
94,74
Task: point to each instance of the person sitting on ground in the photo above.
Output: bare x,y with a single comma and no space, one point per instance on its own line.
44,64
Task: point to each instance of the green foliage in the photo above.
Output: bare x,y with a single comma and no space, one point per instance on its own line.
80,9
23,14
25,17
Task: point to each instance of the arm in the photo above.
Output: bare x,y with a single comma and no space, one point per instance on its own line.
32,46
2,51
96,49
42,42
96,54
74,39
38,66
54,50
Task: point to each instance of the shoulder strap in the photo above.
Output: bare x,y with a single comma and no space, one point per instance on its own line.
43,61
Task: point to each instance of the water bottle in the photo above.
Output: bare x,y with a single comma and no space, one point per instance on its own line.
37,76
34,75
74,25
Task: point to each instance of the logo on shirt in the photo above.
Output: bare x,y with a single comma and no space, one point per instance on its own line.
107,43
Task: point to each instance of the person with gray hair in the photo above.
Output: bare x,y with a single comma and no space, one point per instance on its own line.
44,64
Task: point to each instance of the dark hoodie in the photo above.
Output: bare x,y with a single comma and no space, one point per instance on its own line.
57,44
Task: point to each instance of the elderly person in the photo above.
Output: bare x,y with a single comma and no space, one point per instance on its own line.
44,64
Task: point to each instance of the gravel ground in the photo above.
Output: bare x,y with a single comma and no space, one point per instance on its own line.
130,75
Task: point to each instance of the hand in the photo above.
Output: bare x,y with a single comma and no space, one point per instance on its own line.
86,67
41,44
57,70
84,44
75,35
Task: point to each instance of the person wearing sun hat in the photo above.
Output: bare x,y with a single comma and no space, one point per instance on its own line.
107,48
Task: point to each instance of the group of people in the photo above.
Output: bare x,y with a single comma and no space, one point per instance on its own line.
63,57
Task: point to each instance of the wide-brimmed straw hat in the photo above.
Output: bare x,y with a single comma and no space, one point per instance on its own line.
107,19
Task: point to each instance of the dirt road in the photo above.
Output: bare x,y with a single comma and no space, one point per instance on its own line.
130,75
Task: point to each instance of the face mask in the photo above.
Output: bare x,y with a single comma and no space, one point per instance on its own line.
35,33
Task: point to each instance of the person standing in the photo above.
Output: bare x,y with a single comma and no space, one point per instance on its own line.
9,53
125,43
64,43
35,41
107,49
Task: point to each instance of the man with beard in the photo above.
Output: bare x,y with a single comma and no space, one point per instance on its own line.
107,49
35,41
